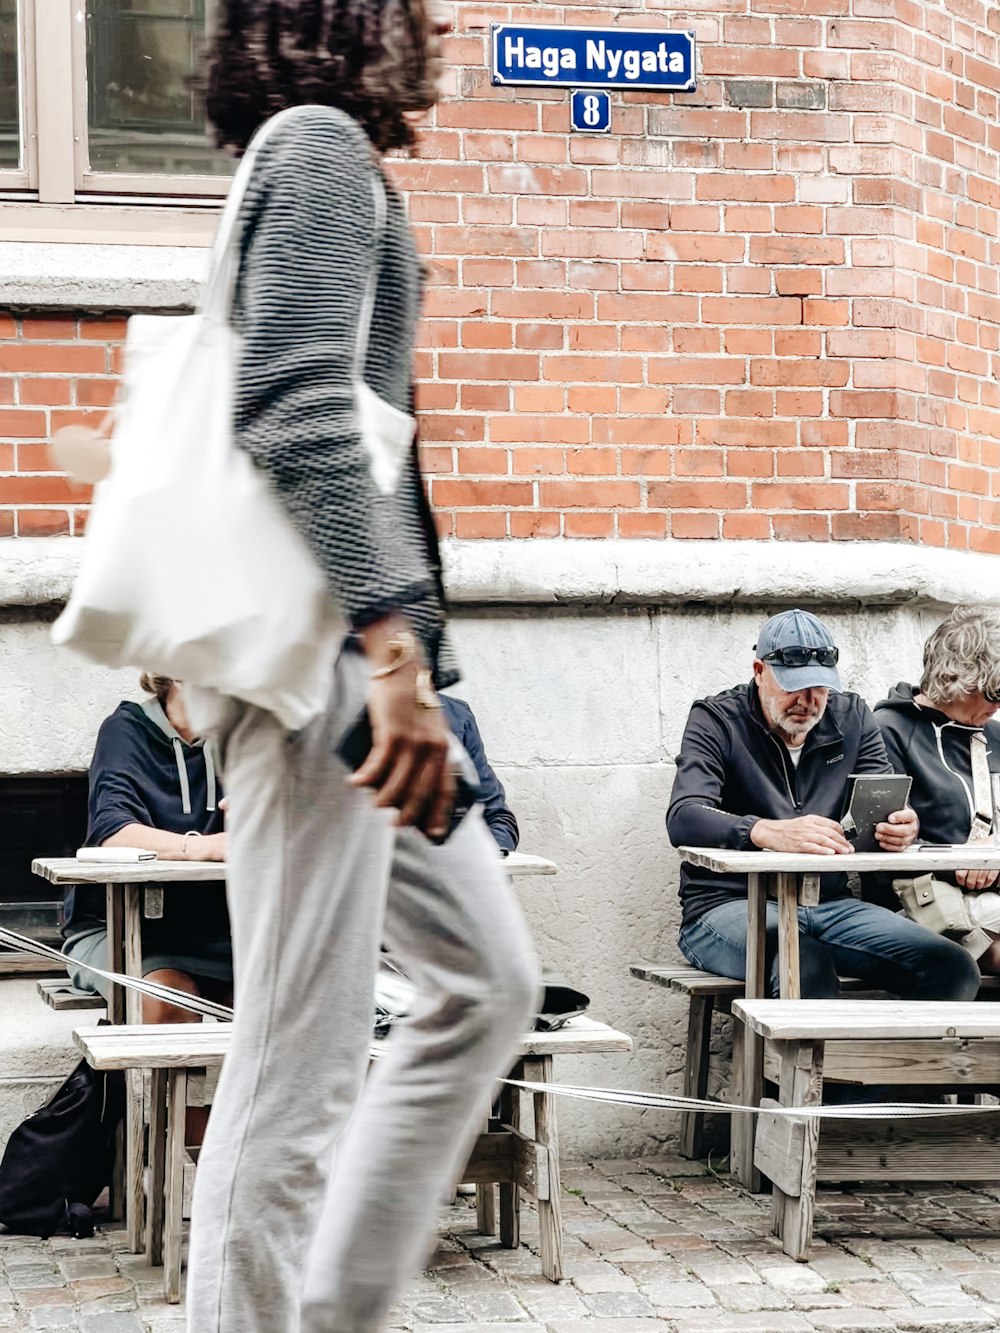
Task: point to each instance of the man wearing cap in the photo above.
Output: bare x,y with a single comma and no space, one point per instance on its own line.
767,765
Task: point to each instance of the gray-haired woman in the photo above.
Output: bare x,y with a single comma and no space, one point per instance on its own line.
938,731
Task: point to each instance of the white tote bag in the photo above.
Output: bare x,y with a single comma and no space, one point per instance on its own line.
191,568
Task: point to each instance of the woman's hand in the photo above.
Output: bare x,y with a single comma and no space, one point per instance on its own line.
407,766
976,880
210,847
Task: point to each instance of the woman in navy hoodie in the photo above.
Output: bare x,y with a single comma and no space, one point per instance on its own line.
937,731
154,785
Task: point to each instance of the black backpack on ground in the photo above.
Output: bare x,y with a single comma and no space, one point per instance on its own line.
59,1160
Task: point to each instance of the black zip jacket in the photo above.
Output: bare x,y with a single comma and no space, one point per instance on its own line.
935,751
732,771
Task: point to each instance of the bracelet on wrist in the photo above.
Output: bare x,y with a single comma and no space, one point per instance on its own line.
424,692
191,833
403,647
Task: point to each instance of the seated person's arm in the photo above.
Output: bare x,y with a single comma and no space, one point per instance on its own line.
118,813
695,817
499,817
169,846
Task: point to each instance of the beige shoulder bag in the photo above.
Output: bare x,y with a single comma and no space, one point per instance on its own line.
935,903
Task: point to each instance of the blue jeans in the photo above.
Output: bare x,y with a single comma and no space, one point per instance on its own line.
841,938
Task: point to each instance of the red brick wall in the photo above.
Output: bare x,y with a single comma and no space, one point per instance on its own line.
55,370
765,309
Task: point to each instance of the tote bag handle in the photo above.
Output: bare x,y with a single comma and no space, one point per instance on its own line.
217,293
220,285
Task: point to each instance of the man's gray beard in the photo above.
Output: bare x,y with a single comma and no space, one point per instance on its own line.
786,727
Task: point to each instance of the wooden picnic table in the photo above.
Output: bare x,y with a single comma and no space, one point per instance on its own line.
793,879
135,888
507,1155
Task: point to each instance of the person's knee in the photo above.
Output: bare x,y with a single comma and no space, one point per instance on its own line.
162,1011
954,973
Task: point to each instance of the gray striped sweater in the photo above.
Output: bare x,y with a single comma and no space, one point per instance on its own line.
307,247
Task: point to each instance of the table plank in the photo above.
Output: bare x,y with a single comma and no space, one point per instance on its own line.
827,1020
985,856
523,863
168,1045
68,870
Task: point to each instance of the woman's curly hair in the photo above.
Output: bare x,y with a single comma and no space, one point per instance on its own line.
963,655
370,58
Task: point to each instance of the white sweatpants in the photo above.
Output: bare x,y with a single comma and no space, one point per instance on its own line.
317,1187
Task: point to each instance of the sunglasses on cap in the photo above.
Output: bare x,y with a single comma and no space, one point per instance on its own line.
827,656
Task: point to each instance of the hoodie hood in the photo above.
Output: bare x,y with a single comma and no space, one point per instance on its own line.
901,696
936,752
155,713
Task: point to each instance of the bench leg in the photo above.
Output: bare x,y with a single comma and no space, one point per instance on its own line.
134,1128
114,895
510,1195
748,1048
155,1202
696,1072
549,1189
173,1222
801,1085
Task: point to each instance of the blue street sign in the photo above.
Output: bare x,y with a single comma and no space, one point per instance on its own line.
591,112
657,60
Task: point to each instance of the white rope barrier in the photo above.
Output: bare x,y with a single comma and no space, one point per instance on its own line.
609,1096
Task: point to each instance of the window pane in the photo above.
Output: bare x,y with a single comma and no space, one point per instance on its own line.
10,81
143,117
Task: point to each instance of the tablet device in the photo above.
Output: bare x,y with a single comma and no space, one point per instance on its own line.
874,797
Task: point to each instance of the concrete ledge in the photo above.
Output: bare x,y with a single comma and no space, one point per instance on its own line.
669,573
59,276
39,570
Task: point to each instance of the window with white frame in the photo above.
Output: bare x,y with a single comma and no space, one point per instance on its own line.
97,103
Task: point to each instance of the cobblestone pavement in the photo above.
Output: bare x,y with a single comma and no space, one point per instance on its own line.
655,1244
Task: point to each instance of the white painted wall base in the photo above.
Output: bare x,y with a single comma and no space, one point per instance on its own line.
581,660
36,1051
582,716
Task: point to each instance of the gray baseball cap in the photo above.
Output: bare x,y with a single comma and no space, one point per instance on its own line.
798,630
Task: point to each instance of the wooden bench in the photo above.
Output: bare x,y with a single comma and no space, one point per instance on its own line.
505,1156
706,994
60,994
864,1043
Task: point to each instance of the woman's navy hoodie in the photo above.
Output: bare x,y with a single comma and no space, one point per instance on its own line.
143,772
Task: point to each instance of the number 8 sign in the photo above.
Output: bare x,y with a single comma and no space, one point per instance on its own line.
591,112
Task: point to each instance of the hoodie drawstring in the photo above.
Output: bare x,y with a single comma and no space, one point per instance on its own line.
182,775
154,711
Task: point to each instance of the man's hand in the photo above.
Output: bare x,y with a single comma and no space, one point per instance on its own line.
976,880
898,832
408,763
813,834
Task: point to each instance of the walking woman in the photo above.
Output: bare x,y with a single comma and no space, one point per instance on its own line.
318,1183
